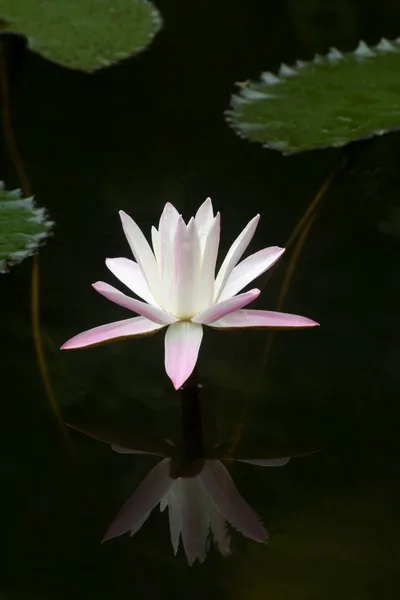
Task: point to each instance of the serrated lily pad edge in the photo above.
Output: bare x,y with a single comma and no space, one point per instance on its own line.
39,215
104,63
155,15
250,92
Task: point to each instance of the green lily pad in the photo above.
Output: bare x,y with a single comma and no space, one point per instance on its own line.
82,34
22,227
329,101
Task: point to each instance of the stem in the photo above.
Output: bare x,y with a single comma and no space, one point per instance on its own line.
192,431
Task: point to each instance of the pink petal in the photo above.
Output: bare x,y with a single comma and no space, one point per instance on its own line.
118,329
182,344
130,274
234,255
219,310
249,269
150,312
142,252
222,491
136,510
263,318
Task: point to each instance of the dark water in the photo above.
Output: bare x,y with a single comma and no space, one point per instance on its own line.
133,137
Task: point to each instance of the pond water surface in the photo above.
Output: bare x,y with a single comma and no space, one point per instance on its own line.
133,137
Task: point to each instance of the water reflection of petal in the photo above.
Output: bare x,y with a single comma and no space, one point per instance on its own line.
139,506
224,494
198,506
265,462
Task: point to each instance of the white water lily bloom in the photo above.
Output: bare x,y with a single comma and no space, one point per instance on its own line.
197,505
176,280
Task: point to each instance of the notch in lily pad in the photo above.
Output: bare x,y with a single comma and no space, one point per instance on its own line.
23,227
327,102
82,34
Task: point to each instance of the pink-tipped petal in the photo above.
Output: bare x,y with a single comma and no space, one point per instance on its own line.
182,344
210,253
263,318
234,255
222,491
265,462
250,268
136,510
150,312
110,331
221,309
130,274
142,252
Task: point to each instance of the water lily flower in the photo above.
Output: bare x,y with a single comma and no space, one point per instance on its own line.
176,281
200,502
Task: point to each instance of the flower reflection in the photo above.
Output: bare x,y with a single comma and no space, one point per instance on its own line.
176,279
200,500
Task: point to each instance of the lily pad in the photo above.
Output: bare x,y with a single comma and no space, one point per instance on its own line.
329,101
22,227
82,34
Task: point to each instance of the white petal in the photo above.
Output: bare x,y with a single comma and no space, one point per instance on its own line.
121,450
263,319
131,275
249,269
164,503
194,519
234,255
150,312
136,510
224,494
182,344
203,219
168,222
187,267
221,309
156,241
265,462
174,499
142,252
169,216
218,526
210,253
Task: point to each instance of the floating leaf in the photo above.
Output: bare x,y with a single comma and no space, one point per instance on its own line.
330,101
22,227
82,34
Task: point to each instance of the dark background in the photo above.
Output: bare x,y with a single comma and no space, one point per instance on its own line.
134,136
